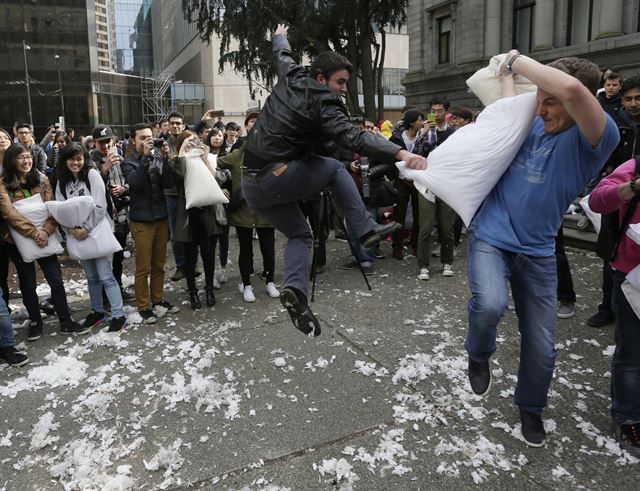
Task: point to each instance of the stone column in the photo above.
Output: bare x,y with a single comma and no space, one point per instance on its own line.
492,27
610,19
543,23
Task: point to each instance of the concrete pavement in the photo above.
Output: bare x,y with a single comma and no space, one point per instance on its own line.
235,398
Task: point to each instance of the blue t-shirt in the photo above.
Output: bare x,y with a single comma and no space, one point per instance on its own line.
524,210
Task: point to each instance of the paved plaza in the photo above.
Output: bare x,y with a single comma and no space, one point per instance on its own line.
235,398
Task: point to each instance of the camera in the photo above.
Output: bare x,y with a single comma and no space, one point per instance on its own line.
158,142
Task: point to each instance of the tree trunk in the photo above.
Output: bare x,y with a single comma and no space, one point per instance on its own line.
380,70
366,67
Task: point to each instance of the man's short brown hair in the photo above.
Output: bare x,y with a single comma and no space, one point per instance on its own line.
587,72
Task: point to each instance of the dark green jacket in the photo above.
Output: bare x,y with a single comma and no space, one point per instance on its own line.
243,216
205,216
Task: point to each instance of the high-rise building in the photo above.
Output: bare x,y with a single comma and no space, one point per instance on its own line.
75,31
451,39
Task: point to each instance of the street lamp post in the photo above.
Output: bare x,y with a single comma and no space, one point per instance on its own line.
60,87
25,47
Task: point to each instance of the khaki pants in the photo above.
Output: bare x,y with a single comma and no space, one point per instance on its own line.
151,251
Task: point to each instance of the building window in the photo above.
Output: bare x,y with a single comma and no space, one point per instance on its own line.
580,16
523,25
444,40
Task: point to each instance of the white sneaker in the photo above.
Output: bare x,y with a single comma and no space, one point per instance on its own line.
423,274
272,290
248,295
447,270
222,277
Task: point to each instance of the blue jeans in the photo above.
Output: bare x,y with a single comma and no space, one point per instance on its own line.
275,195
176,247
6,329
362,254
100,275
534,287
625,366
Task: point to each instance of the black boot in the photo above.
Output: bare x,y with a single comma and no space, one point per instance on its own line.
211,298
194,300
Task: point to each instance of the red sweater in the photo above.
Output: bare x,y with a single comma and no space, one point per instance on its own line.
604,199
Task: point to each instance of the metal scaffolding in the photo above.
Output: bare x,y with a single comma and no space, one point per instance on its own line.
156,99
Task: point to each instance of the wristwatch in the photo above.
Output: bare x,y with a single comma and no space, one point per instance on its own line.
511,61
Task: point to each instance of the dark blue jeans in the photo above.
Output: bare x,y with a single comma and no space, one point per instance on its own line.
27,279
625,366
6,329
176,247
275,195
533,284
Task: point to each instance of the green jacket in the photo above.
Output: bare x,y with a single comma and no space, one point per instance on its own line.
204,217
243,216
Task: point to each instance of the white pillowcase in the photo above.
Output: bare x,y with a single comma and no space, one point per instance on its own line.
200,186
34,210
99,243
465,168
73,212
486,84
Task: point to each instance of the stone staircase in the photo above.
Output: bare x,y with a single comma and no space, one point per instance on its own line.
576,237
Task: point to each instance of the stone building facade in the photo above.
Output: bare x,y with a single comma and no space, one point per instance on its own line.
450,39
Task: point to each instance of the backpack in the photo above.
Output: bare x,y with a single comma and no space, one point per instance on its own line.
111,209
611,229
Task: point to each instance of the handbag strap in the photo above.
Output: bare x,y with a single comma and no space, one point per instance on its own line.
626,220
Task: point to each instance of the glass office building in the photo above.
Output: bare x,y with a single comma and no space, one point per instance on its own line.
134,46
67,28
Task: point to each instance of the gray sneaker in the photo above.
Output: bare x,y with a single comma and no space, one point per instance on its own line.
566,310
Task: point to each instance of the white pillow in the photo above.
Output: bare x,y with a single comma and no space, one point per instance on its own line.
73,212
465,168
200,186
486,84
595,218
99,243
34,210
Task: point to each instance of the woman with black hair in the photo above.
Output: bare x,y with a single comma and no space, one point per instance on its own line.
20,180
217,147
76,178
197,227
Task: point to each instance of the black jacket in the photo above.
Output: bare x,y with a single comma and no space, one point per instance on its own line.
628,146
611,106
299,113
147,202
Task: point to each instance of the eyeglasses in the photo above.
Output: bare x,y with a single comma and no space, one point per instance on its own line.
21,160
24,133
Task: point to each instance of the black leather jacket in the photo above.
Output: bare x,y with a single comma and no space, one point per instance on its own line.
145,186
299,113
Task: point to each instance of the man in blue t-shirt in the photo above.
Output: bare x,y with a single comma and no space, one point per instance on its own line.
512,236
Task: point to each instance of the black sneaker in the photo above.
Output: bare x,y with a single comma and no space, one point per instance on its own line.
178,275
628,437
47,307
479,376
379,233
94,319
171,309
601,318
72,327
35,331
10,355
148,316
378,252
532,428
300,313
117,324
127,296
